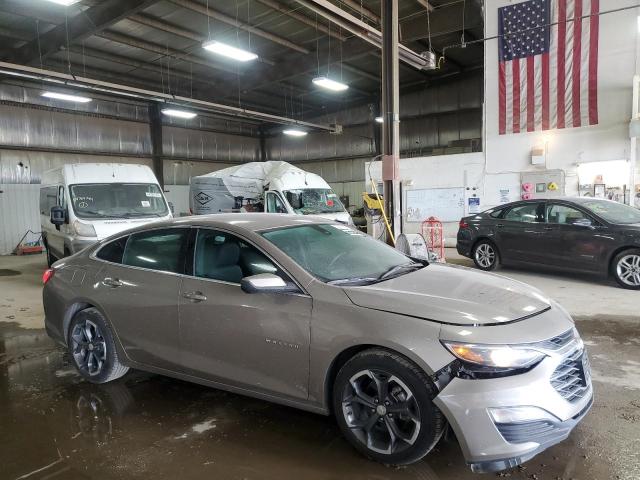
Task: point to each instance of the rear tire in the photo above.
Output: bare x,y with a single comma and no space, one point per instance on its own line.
384,406
485,255
92,347
626,269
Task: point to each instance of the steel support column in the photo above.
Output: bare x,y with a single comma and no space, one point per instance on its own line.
391,113
155,127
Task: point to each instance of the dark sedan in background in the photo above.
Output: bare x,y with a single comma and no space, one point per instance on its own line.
581,234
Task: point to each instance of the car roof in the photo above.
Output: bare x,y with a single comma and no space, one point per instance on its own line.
249,221
576,200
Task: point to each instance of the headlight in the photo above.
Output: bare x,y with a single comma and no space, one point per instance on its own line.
498,356
84,229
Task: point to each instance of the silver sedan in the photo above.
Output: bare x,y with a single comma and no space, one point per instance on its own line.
316,315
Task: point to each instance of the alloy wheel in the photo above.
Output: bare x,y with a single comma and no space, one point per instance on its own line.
381,411
628,270
485,255
88,347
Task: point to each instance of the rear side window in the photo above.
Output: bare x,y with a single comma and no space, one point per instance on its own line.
496,213
528,213
113,251
161,250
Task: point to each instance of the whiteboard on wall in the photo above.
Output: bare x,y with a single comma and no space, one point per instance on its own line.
446,204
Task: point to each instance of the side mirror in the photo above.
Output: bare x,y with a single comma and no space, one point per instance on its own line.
266,283
57,215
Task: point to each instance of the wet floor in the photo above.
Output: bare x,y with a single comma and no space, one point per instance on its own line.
53,425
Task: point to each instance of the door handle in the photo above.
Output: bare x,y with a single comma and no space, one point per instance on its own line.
500,225
195,296
548,228
111,282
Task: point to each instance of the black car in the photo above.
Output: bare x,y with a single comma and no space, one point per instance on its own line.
581,234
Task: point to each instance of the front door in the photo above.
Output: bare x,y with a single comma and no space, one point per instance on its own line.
141,295
258,341
520,233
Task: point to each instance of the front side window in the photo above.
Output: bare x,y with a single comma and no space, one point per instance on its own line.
313,201
161,250
113,251
117,200
225,257
528,213
48,199
275,204
336,252
563,215
613,212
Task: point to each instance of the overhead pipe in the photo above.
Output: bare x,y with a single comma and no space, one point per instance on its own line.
364,11
100,86
202,9
424,61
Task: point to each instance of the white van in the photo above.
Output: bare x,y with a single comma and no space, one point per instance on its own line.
86,202
271,187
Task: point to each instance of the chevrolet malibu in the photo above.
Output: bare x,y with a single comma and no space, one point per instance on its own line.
318,316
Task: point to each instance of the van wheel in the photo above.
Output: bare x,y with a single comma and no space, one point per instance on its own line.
92,347
626,269
485,255
384,406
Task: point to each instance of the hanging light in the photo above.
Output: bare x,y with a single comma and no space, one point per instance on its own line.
294,132
329,84
65,97
379,119
66,3
228,51
170,112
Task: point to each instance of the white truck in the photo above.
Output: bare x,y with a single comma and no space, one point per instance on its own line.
272,187
86,202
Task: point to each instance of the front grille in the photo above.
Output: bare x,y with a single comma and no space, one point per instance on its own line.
572,377
559,341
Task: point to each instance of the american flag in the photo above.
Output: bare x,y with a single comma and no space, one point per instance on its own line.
548,70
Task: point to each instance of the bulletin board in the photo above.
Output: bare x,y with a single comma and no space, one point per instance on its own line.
446,204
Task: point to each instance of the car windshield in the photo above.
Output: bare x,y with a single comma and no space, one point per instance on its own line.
311,201
117,200
339,254
613,212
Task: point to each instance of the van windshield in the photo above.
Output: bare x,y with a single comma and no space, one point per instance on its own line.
311,201
117,200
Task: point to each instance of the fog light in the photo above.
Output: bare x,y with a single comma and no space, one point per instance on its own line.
520,414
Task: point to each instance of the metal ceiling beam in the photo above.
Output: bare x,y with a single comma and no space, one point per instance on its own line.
362,73
79,27
33,10
202,9
103,87
279,7
363,11
443,21
158,24
425,4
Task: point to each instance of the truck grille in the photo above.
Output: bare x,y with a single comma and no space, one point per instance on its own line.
572,377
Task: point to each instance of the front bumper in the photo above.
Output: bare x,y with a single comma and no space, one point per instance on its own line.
488,446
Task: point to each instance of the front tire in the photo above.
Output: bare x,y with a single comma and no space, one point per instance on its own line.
626,269
485,255
92,347
384,406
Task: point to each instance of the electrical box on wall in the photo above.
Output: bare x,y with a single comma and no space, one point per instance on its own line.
542,184
538,156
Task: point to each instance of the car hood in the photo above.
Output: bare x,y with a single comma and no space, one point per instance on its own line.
452,295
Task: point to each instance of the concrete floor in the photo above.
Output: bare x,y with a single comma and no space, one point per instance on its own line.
53,425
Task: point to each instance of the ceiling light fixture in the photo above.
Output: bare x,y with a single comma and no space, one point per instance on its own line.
329,84
379,119
66,3
229,51
293,132
170,112
66,98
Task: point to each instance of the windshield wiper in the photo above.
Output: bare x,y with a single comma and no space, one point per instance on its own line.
353,281
98,214
142,214
400,268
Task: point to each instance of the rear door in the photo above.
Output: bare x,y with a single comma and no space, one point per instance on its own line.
140,294
520,233
257,341
576,240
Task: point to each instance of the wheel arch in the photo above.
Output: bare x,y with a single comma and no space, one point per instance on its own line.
488,239
615,253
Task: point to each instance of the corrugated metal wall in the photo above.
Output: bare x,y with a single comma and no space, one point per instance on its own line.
19,212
